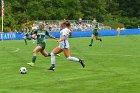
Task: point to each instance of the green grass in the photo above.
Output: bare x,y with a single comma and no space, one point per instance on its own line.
112,66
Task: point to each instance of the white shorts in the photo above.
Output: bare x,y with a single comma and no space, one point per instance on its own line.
64,44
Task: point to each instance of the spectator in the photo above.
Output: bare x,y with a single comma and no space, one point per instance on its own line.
118,30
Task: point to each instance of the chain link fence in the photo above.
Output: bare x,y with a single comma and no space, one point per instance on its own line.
76,25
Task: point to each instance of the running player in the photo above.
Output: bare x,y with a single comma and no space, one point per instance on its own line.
64,46
27,34
41,44
94,32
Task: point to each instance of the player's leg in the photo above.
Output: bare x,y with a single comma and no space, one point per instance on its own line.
35,52
67,55
91,41
119,33
44,53
97,38
55,51
25,39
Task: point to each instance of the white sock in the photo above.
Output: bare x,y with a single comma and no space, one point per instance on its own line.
52,58
73,59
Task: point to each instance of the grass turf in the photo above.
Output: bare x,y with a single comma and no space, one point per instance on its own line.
112,66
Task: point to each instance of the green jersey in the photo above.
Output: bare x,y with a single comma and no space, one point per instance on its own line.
27,33
41,35
25,30
95,28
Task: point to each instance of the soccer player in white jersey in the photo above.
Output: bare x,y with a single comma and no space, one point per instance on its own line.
64,46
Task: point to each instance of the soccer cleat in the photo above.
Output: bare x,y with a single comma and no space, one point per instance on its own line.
90,45
82,63
30,64
58,55
100,40
52,68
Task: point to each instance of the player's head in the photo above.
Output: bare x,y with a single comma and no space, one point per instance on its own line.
41,26
65,24
94,21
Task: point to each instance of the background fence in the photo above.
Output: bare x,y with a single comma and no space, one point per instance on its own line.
87,33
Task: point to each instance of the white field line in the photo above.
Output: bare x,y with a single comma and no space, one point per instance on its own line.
16,50
13,49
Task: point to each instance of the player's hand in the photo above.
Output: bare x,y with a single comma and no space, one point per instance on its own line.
58,40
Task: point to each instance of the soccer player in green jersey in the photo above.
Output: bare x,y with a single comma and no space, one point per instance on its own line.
94,32
27,34
40,43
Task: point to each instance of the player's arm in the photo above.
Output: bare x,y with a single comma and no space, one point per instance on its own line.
64,34
51,36
34,33
25,32
63,38
70,34
47,33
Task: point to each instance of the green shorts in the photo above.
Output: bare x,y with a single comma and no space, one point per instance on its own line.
43,45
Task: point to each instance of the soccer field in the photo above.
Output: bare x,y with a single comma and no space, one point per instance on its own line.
112,66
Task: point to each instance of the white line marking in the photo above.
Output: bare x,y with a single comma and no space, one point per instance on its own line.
17,49
13,49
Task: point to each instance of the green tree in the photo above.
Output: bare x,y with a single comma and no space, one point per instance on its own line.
94,9
19,12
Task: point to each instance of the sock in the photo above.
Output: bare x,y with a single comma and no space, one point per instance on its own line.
91,42
53,59
99,39
73,59
53,65
33,59
25,41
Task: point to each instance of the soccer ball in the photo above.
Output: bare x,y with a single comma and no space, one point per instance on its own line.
23,70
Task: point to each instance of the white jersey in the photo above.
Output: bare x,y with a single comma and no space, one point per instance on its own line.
64,43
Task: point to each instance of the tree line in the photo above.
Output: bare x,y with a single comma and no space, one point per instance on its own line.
109,12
